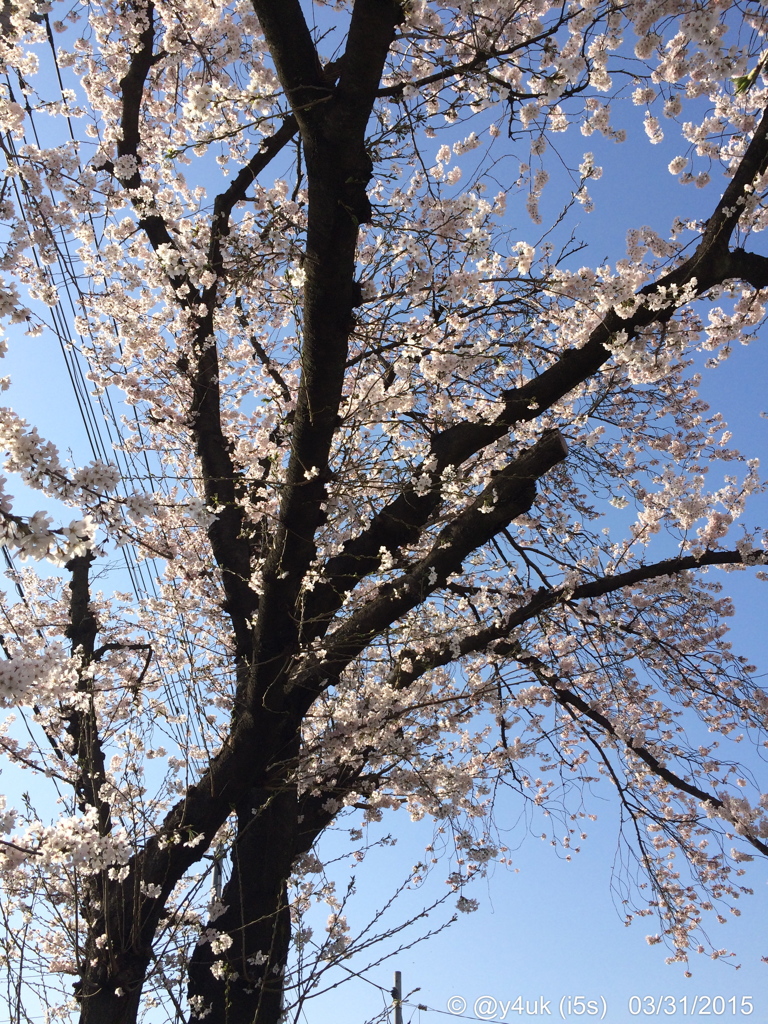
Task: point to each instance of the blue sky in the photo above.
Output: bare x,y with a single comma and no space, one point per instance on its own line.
552,931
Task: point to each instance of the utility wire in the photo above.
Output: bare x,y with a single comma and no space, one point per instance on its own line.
103,433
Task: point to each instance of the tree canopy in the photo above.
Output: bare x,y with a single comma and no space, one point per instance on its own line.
392,503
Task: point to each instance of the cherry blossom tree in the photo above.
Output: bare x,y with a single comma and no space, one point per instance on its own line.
417,510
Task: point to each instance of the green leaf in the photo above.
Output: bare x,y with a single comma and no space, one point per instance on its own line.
744,83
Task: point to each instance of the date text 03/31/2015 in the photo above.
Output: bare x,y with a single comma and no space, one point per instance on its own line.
569,1006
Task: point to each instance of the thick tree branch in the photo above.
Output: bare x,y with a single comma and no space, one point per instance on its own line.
82,721
293,51
747,266
258,755
510,494
338,171
223,486
371,33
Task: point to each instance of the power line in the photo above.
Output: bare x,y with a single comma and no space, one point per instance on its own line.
103,432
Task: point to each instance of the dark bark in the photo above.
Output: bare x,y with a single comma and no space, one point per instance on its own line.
82,724
251,972
113,997
333,126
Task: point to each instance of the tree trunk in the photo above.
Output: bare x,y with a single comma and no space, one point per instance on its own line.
112,996
243,982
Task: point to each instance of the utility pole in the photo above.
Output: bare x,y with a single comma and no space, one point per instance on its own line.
397,998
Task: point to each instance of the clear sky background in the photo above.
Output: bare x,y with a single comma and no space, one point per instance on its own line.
546,929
